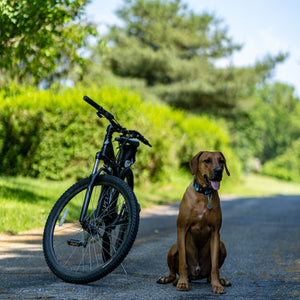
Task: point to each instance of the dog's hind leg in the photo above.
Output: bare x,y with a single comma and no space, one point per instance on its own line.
173,262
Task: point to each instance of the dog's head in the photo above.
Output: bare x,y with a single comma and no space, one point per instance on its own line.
208,167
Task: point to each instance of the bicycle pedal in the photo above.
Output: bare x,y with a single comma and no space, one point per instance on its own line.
76,243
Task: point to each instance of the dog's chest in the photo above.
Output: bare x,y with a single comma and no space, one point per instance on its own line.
203,222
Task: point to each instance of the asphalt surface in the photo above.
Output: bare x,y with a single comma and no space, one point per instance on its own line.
262,237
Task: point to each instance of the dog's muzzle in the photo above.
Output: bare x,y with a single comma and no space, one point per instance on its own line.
217,174
214,179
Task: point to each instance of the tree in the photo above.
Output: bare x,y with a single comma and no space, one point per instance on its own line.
164,43
174,51
271,126
39,39
277,110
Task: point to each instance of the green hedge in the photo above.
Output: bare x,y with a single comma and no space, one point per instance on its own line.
56,135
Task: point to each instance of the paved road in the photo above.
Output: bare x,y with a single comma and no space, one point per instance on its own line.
262,236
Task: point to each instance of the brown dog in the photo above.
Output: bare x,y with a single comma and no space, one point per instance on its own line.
199,252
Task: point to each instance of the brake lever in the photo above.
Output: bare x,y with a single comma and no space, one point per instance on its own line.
139,136
146,142
143,140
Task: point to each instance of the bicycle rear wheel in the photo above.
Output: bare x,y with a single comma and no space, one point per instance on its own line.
82,253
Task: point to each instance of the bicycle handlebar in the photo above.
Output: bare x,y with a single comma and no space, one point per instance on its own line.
100,109
102,112
137,135
93,103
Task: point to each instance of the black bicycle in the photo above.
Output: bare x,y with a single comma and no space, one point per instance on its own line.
93,225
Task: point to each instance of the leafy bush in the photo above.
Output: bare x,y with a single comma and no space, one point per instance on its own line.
285,166
56,135
20,136
268,126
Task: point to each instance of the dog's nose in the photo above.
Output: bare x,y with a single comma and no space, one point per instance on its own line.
218,171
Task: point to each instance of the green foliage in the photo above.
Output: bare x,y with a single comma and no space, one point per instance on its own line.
40,39
166,31
20,136
173,50
271,126
285,166
62,134
278,112
270,129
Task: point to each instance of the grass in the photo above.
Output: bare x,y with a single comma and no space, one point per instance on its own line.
257,185
26,202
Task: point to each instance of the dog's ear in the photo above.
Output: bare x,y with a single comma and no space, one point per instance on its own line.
227,171
194,163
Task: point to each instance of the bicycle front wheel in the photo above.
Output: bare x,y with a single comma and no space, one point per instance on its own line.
84,252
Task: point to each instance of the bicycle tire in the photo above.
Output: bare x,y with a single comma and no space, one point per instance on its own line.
78,255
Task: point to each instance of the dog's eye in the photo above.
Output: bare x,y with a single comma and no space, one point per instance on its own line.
221,161
207,161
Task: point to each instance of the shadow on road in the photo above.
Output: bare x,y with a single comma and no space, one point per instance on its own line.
262,238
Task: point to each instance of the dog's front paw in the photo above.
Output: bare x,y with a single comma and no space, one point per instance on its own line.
218,289
165,279
182,285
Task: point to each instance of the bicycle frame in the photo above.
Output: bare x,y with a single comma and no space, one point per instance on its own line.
110,167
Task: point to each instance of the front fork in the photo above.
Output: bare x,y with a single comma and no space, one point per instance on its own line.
126,173
88,194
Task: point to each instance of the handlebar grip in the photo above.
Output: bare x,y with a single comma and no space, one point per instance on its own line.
91,102
100,109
